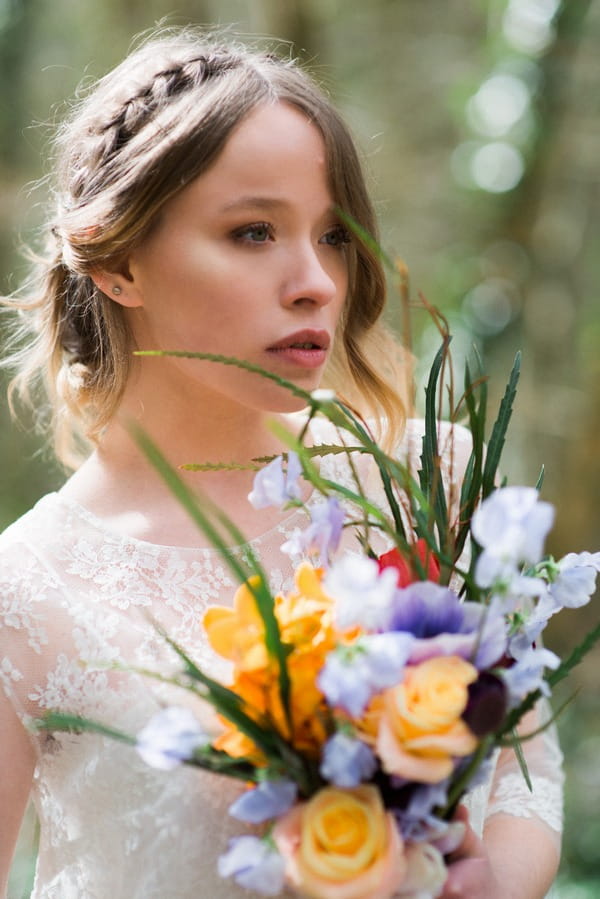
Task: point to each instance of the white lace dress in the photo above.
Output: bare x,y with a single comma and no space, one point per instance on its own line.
74,594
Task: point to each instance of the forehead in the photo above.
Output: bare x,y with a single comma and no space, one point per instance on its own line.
275,149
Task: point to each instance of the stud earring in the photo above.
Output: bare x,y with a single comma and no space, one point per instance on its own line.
117,290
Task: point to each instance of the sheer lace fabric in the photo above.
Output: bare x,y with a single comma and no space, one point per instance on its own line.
75,598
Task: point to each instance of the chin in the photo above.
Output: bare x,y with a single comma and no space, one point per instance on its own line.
287,403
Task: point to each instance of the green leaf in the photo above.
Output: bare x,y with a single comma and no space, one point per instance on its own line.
58,721
520,755
236,363
498,435
430,474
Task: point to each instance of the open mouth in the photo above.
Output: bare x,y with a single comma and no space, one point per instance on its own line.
304,349
306,340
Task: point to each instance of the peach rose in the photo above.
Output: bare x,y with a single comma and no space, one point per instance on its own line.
420,729
342,844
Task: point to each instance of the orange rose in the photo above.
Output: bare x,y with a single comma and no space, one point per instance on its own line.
420,729
342,844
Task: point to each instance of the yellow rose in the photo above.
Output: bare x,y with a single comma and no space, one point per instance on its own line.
342,844
420,729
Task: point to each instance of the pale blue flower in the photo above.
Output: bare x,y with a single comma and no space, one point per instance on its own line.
511,526
527,674
254,864
352,674
321,538
170,738
534,619
269,799
506,580
347,761
273,486
362,594
576,581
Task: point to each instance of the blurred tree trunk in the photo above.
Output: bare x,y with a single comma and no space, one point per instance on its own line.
550,215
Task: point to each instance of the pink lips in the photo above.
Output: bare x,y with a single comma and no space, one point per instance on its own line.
306,348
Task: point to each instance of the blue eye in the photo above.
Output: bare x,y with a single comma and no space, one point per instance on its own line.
257,232
336,237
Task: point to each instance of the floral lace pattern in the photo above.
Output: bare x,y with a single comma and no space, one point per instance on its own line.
72,591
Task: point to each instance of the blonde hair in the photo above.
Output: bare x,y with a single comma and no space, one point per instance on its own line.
147,129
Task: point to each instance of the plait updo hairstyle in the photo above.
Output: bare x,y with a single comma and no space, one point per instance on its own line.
147,129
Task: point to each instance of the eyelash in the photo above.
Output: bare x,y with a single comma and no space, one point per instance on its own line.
243,235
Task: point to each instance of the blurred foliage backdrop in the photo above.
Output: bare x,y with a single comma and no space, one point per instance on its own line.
480,126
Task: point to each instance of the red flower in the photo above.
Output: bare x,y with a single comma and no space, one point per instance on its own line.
407,571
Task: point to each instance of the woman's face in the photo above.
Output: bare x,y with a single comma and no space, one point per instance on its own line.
248,260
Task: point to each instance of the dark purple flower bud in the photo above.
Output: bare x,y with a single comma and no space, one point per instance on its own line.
487,704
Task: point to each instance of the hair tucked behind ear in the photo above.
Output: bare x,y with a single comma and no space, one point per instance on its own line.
143,132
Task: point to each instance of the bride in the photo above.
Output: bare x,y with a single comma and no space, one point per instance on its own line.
195,210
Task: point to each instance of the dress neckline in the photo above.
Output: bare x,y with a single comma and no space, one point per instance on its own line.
118,537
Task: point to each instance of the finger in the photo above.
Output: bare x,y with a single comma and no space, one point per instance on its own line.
471,845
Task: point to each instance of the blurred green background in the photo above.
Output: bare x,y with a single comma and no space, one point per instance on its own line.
480,126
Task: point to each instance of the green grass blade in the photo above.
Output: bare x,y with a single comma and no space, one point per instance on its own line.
498,435
58,721
193,506
430,474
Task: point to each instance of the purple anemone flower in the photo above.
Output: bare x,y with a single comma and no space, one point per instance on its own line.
443,625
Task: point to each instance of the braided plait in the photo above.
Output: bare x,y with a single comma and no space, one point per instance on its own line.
117,122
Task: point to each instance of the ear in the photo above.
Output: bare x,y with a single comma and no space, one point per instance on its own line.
118,286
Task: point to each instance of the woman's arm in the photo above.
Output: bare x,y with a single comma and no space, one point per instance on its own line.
516,859
17,762
519,853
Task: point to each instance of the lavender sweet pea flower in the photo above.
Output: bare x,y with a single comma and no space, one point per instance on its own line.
576,579
526,675
269,799
506,580
416,820
352,674
273,486
534,619
254,864
170,737
489,626
363,595
321,538
511,525
347,761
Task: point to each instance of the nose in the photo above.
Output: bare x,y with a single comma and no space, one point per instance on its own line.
310,281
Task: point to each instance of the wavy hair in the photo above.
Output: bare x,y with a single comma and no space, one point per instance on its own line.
140,135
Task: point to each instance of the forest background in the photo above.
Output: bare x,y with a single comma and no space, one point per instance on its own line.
480,127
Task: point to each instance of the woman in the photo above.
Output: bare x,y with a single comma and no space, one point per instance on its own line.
195,209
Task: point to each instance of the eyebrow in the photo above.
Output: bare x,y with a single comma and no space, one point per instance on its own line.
259,202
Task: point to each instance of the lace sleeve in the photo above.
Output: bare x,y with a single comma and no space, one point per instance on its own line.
510,793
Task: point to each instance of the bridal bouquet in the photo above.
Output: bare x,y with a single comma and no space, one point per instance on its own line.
368,698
